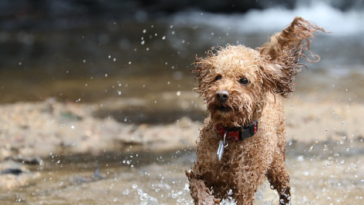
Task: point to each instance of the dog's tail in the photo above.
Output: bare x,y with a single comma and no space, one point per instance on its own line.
289,44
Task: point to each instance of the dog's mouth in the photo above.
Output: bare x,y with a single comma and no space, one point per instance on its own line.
224,109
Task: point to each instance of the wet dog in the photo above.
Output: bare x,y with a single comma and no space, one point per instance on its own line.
242,142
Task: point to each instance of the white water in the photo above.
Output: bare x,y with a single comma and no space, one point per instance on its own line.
341,49
274,19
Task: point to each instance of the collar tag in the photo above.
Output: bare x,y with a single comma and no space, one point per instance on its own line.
222,144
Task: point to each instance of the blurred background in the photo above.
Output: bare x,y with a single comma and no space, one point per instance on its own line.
105,85
89,51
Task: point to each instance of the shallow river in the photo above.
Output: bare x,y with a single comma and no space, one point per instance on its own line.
323,173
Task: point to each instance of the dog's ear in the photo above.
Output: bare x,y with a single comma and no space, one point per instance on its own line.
201,70
203,66
282,52
198,68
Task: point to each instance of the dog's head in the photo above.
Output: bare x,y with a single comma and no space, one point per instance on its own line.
235,80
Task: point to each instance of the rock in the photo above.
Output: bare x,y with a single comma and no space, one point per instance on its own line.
26,160
13,174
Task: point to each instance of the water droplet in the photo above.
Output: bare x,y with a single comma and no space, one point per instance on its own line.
163,37
72,127
129,62
142,42
300,158
178,93
144,31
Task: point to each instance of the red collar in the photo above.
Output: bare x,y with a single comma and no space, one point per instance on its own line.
237,133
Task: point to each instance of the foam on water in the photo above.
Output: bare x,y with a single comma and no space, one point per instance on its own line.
273,19
340,49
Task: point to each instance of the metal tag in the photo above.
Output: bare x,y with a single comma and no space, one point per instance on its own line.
220,150
222,145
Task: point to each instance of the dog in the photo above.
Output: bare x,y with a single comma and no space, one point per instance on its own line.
242,142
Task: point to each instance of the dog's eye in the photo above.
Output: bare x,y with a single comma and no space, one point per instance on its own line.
218,77
244,81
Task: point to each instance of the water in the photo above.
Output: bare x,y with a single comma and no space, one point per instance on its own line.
316,177
273,19
125,58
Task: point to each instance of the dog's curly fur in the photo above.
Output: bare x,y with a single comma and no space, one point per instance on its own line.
245,164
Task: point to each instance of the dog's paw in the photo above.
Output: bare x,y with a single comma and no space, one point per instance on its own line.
208,200
190,174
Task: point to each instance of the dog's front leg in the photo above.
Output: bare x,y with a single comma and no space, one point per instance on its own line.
279,179
199,192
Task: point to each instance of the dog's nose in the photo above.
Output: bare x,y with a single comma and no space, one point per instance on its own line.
222,95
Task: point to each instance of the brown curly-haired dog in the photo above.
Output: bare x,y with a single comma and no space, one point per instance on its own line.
240,86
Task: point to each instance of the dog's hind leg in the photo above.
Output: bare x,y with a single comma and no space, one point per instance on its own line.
279,179
199,192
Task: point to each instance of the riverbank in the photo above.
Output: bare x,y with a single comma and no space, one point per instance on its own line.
51,129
